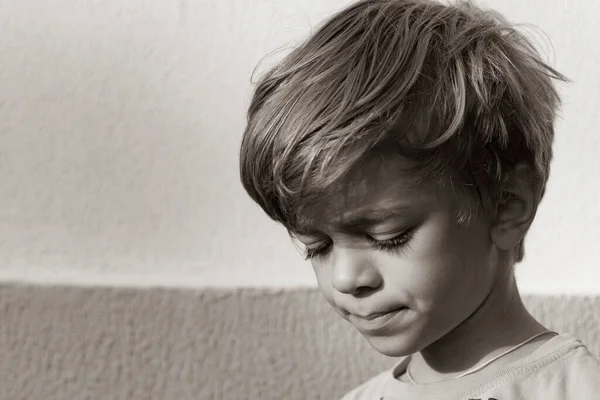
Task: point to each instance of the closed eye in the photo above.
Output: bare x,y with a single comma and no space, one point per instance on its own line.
390,245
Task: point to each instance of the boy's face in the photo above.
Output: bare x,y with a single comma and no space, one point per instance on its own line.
416,259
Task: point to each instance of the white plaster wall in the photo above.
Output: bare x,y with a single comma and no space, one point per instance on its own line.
120,122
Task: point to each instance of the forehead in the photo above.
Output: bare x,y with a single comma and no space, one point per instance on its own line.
376,189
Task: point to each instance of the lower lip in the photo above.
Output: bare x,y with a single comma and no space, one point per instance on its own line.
377,323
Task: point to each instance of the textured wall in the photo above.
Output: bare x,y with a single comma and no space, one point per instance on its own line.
124,344
120,122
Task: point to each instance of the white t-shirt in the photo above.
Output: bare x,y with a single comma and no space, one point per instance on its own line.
560,369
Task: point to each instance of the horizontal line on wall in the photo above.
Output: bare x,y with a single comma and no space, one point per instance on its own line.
178,280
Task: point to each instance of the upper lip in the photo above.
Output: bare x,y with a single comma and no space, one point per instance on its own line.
371,316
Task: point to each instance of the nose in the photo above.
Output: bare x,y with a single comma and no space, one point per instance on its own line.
353,272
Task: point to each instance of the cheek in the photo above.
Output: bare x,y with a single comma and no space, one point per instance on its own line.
323,276
449,265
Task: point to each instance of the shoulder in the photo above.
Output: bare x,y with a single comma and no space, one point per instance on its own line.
369,390
576,374
583,366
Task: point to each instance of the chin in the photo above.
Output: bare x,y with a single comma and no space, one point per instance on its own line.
394,346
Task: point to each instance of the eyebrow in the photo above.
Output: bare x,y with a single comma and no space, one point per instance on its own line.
361,219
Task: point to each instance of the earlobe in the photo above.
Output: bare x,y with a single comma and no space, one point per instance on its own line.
516,210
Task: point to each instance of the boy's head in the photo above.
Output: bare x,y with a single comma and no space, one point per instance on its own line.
438,116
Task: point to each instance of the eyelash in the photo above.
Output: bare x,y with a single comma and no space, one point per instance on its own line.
388,245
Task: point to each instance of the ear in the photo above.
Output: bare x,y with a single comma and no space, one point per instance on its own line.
516,209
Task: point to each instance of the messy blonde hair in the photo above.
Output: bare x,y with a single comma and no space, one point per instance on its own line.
453,87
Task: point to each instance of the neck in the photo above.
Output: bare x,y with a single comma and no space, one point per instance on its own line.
499,323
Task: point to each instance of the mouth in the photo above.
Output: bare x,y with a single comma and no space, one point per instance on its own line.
377,322
371,317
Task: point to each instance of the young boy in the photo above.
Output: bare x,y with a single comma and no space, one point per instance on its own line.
407,144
